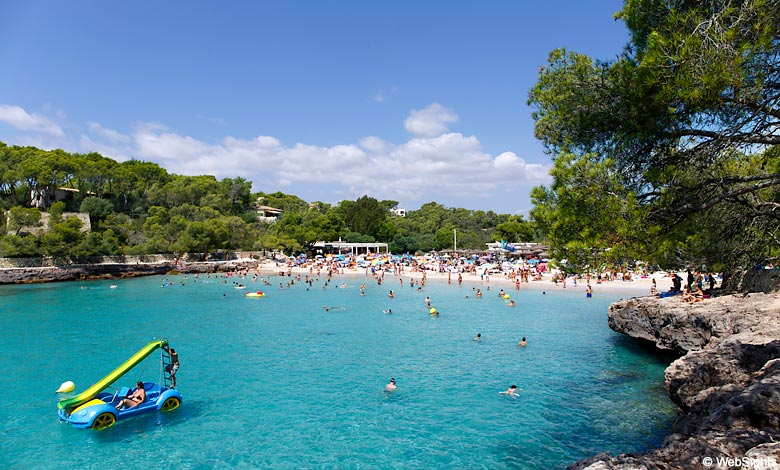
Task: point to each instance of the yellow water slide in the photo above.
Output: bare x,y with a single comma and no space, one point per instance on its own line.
70,403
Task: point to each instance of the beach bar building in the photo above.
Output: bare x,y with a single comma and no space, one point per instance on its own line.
354,249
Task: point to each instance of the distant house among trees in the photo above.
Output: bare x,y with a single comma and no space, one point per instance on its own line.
43,198
398,212
268,214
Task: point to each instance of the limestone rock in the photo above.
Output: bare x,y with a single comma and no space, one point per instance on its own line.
726,382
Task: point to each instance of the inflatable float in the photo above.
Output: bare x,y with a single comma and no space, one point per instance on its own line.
255,294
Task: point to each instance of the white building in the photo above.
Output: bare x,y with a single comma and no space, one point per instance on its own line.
268,214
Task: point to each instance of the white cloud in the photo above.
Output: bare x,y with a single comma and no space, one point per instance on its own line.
159,144
509,162
19,118
382,95
430,121
109,134
375,144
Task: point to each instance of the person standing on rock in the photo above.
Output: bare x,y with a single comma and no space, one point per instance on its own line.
712,280
676,283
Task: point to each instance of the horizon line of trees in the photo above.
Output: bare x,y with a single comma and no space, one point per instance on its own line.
137,207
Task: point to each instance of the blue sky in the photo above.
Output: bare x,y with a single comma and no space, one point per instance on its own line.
413,101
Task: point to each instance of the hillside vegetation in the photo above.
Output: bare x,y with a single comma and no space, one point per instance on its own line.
137,207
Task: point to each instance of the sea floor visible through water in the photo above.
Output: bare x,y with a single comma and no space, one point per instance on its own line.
281,382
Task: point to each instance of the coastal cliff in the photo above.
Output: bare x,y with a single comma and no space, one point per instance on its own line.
726,384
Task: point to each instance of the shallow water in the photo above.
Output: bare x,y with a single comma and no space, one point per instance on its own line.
278,382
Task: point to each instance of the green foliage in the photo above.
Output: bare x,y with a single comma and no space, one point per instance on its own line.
403,244
515,230
97,208
355,237
677,136
366,215
55,213
444,238
285,202
19,246
61,236
20,218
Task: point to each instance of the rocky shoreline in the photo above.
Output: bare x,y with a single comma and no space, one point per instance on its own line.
113,270
726,384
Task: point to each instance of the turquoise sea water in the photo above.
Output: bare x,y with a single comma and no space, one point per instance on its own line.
279,382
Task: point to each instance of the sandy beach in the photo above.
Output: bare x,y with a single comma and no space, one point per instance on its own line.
638,286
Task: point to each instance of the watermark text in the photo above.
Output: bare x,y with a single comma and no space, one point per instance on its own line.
743,462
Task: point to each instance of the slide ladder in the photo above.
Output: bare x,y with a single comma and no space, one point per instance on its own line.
69,404
167,363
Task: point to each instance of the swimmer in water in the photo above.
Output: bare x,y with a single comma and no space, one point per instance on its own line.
387,310
511,391
523,343
390,387
478,337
